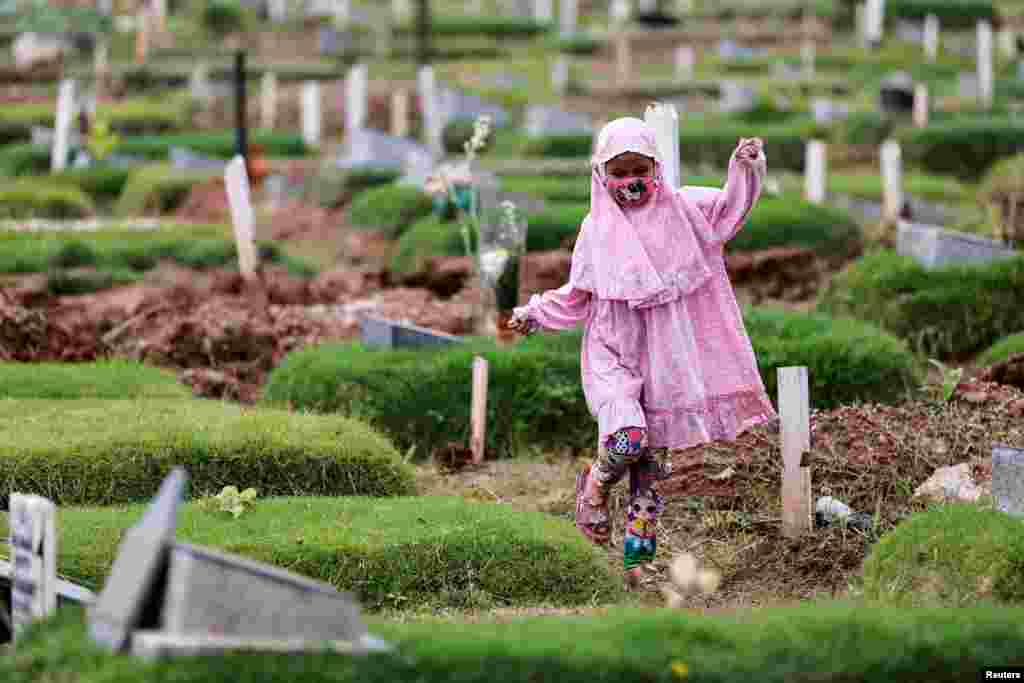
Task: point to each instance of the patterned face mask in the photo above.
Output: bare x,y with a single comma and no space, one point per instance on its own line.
632,192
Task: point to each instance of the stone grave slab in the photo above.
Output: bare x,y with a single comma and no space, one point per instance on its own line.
827,111
368,147
379,332
159,644
736,98
935,247
1008,479
544,120
457,105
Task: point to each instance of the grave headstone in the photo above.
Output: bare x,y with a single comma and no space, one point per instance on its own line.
827,111
736,98
33,537
199,83
62,130
560,75
807,57
186,159
236,180
567,17
356,98
379,332
909,31
152,645
931,37
433,126
401,11
729,49
544,120
132,594
968,87
1008,479
623,59
921,106
328,40
365,147
815,172
1020,70
620,12
795,437
860,22
685,62
935,247
311,113
544,11
874,22
454,104
400,113
278,11
985,66
664,119
892,180
268,101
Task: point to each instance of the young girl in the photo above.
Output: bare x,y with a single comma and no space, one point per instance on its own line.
666,361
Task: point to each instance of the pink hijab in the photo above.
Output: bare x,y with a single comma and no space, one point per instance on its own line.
646,256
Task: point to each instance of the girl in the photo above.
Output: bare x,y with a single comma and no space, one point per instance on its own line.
666,362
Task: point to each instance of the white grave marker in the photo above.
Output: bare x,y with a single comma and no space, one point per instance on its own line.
860,22
1007,39
623,59
544,11
794,413
432,126
921,107
874,22
268,101
892,179
620,12
400,113
236,179
985,75
34,557
664,119
311,113
815,172
568,10
401,11
342,12
931,37
685,61
199,82
62,129
807,57
355,98
478,409
278,11
560,74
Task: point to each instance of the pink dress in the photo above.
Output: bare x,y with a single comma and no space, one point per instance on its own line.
684,369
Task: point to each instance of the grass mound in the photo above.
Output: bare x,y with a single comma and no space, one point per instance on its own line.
159,189
390,208
399,552
42,199
101,452
1003,349
422,398
945,313
823,641
114,379
951,556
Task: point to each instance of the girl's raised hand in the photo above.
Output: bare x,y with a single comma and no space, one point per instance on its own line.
750,149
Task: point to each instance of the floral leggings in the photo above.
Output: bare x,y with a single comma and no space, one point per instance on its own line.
626,450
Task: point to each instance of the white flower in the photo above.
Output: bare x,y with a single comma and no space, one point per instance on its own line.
492,264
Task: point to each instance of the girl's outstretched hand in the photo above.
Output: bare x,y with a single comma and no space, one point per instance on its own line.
750,149
523,326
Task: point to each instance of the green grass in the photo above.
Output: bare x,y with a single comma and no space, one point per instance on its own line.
159,189
115,378
1002,349
396,552
951,556
816,642
99,452
941,189
26,198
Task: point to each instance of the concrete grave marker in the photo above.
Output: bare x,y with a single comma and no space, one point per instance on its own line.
874,22
985,72
968,87
132,594
268,101
860,23
278,11
685,61
433,127
935,247
478,409
664,119
236,180
34,555
807,57
543,120
400,113
377,332
892,179
544,11
568,11
815,172
931,37
311,113
795,434
623,59
826,111
199,82
356,98
921,107
736,97
401,11
620,12
560,75
62,130
153,645
1008,479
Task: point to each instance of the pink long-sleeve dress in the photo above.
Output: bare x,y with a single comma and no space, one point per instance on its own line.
684,369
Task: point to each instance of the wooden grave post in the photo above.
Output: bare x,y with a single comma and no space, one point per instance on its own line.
795,432
237,182
478,416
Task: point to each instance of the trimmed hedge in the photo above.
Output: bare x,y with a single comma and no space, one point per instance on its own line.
944,313
536,395
40,199
24,159
772,645
952,555
159,189
334,187
399,552
132,117
960,14
427,237
103,183
790,221
116,378
106,452
391,208
965,148
496,27
1002,349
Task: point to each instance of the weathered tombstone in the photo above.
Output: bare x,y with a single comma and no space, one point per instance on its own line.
807,57
892,180
543,120
567,17
433,127
968,87
33,48
795,434
815,172
985,73
620,12
366,146
268,101
728,49
341,10
458,105
931,37
401,11
1008,479
34,555
921,107
278,11
400,113
685,61
379,332
1007,39
560,75
356,98
909,31
623,59
896,94
826,111
935,247
236,180
62,129
311,113
132,596
199,83
543,11
664,119
736,98
874,22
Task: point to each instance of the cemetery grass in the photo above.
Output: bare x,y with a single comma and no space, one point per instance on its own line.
108,379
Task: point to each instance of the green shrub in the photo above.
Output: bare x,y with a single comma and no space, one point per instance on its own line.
220,144
427,237
105,452
788,221
99,182
863,128
391,208
771,645
24,159
1002,349
141,116
944,313
965,148
222,17
74,282
407,552
334,187
497,27
536,397
580,44
951,556
956,14
159,189
114,378
40,199
549,228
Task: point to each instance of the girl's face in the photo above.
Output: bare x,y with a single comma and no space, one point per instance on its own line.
630,179
630,165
